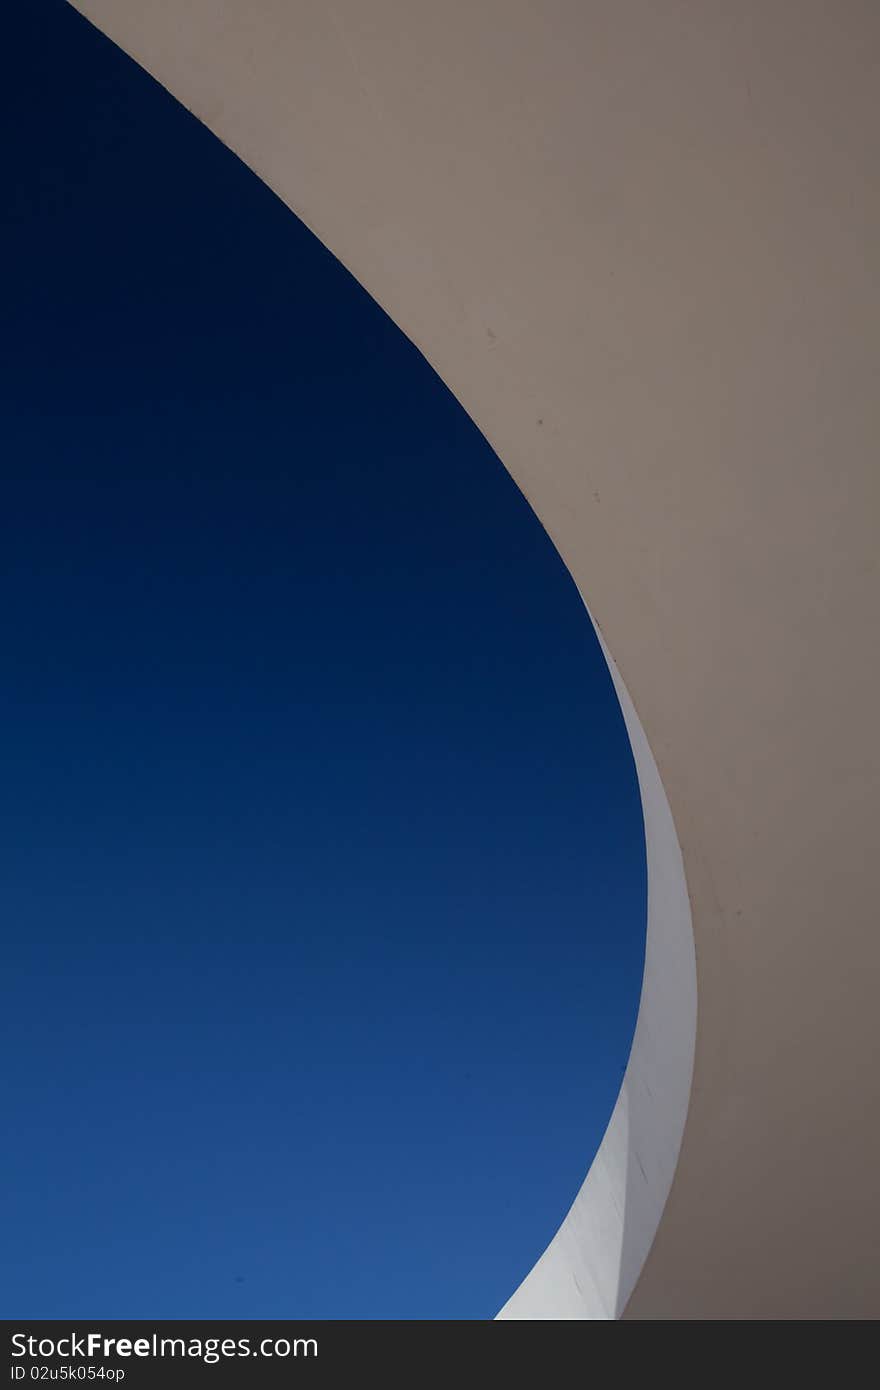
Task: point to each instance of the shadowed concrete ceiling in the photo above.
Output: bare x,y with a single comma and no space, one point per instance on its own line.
638,242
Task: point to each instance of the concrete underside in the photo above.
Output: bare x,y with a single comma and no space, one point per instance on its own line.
638,242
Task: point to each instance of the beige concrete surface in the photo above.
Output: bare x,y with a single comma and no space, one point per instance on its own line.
638,240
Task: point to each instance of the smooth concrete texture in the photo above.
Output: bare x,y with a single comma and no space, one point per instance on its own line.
638,241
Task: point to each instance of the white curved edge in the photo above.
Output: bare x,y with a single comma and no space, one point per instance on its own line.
591,1265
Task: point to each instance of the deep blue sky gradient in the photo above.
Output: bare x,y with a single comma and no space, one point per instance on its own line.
323,885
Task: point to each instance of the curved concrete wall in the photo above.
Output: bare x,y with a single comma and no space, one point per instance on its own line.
638,241
590,1267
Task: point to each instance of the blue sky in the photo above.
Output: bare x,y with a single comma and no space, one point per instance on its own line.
323,889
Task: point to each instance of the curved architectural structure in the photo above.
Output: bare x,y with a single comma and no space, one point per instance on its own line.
638,242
